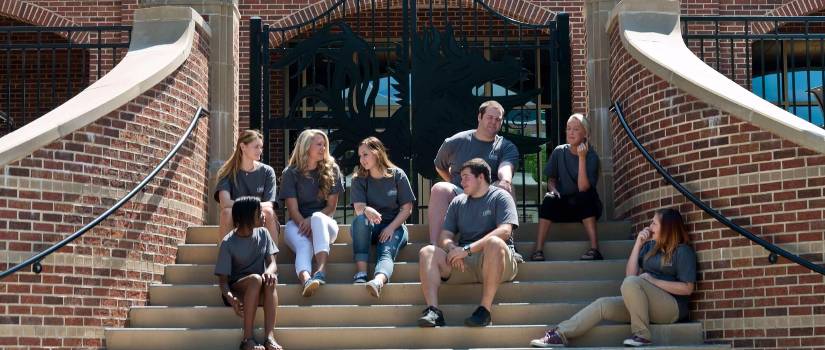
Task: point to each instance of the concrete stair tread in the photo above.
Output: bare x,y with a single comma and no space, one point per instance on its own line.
206,253
388,337
566,270
608,230
331,315
396,293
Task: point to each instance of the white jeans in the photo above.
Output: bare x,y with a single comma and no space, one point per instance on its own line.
324,232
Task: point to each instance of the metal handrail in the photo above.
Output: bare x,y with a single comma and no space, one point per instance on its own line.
35,260
775,250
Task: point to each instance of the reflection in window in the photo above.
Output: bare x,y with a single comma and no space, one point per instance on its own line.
784,72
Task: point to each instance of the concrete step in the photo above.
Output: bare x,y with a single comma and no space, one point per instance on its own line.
342,252
608,230
396,293
408,272
386,337
349,315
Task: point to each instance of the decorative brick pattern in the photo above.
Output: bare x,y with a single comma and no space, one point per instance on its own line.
91,283
768,185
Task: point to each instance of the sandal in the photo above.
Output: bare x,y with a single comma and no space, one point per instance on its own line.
250,344
271,344
537,256
592,254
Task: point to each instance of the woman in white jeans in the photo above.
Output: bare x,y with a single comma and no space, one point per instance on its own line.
310,185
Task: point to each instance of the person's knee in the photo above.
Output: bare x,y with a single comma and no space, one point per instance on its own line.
226,215
360,221
426,253
255,281
442,190
269,215
630,282
317,217
495,246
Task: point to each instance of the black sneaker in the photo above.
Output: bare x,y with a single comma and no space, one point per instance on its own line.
479,318
431,317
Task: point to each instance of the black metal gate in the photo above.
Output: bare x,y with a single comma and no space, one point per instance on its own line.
411,73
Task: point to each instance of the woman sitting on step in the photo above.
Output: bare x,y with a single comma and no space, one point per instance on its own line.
247,272
383,199
661,273
310,185
244,175
572,174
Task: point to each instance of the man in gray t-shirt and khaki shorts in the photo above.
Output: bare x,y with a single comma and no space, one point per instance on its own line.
472,246
483,142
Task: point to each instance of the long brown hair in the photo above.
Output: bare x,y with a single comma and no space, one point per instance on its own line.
326,166
233,164
383,161
672,232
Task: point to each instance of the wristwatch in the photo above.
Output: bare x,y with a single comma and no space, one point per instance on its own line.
467,249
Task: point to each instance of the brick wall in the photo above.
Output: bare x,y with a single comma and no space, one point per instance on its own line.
770,186
91,283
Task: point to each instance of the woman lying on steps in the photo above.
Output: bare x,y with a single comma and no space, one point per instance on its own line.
247,272
661,273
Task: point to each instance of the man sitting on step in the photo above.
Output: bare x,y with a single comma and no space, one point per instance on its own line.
483,218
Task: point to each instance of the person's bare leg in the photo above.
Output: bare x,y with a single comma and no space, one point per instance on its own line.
321,260
590,228
361,266
270,308
225,223
432,265
492,269
271,223
249,289
441,195
541,235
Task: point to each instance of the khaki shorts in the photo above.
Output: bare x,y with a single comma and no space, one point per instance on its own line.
473,266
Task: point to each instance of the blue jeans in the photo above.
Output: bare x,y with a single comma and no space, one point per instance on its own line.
365,232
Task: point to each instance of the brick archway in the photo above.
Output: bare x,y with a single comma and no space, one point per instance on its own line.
33,14
792,8
518,10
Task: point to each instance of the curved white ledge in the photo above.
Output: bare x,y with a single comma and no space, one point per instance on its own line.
161,42
651,33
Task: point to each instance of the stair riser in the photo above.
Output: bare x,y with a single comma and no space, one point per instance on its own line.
397,293
614,230
408,272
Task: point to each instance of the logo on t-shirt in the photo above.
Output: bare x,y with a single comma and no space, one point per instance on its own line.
392,193
486,212
260,189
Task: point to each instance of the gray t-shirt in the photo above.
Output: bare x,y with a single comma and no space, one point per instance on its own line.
464,146
386,195
241,256
472,218
304,188
258,183
564,167
682,268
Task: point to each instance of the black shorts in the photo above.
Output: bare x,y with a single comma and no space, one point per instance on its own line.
571,208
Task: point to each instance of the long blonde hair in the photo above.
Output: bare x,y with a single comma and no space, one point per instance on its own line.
326,166
672,232
383,161
233,164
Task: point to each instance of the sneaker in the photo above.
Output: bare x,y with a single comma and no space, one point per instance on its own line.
321,277
374,287
360,277
551,339
479,318
592,254
310,286
637,341
431,317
